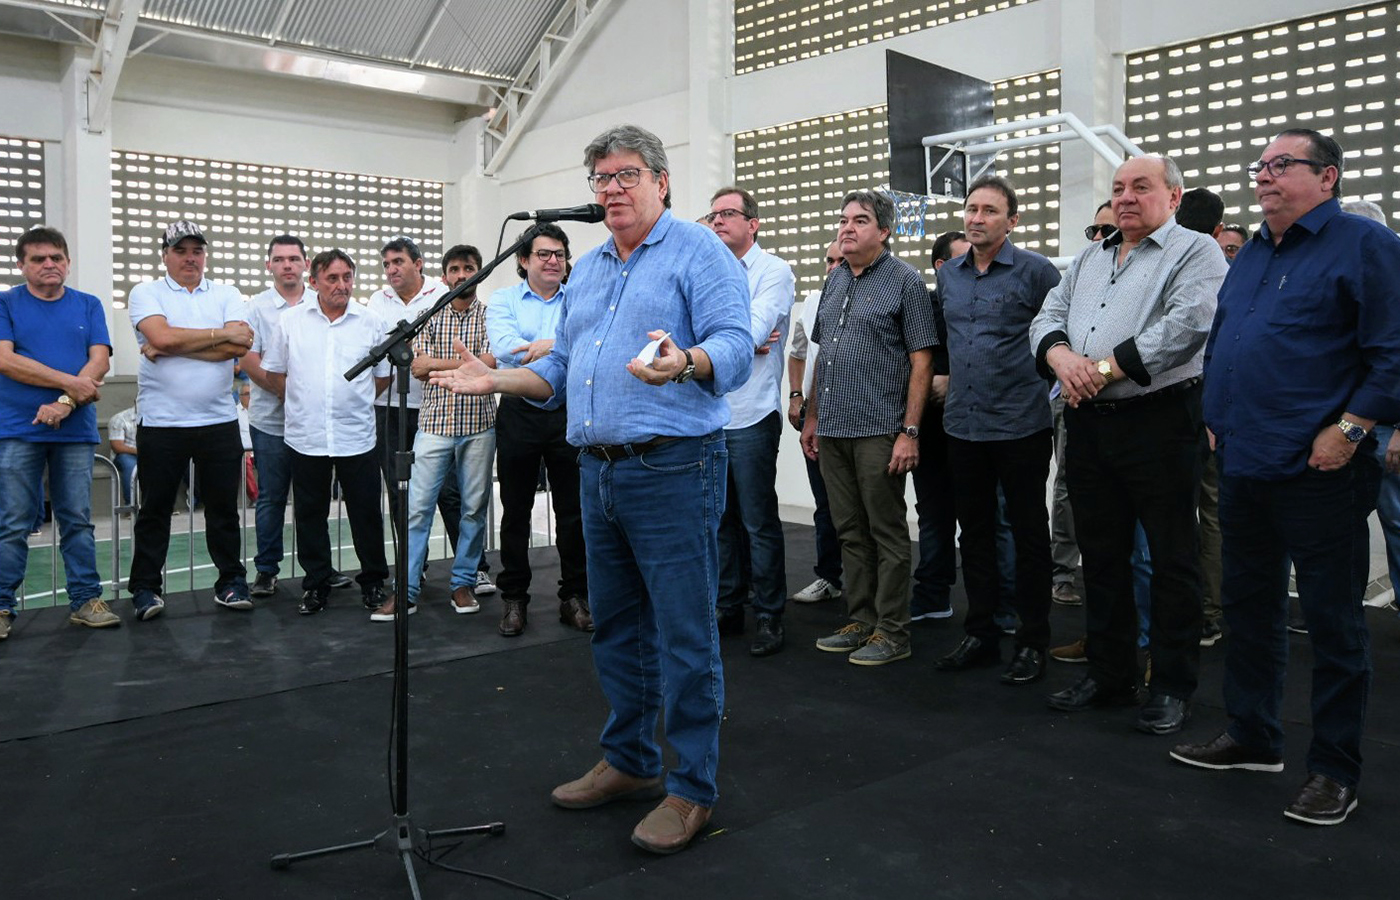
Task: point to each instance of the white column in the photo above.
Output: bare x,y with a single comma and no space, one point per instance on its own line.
1091,87
711,163
84,207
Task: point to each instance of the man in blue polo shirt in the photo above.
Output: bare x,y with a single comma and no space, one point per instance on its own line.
652,472
190,330
1302,361
54,351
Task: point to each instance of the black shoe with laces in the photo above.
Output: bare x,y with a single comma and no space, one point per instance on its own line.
372,596
340,580
768,636
313,601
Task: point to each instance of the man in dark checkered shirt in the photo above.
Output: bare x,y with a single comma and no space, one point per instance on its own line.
873,374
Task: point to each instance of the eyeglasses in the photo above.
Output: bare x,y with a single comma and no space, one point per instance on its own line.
726,214
626,178
1094,232
545,256
1278,165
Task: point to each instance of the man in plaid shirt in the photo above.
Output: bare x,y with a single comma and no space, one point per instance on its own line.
456,436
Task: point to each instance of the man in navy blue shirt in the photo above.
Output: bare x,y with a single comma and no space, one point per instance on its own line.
1302,361
999,428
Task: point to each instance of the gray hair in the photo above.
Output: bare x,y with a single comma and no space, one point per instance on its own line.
1171,172
1366,208
879,203
629,138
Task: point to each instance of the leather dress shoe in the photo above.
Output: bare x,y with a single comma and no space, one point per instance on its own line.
768,636
604,784
1224,752
513,619
1322,801
1162,714
671,826
730,621
1026,666
972,653
573,611
1089,694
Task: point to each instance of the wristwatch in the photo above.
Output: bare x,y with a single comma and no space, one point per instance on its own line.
1353,431
73,404
1106,370
911,430
793,395
687,372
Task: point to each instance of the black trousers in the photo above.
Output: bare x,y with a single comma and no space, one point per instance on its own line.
526,436
311,506
1128,462
386,421
163,457
1021,466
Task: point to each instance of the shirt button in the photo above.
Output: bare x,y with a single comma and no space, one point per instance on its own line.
597,343
624,273
589,381
1091,328
612,309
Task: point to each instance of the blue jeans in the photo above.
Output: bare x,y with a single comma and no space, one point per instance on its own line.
126,467
1388,506
651,531
750,532
468,459
1319,519
22,497
274,464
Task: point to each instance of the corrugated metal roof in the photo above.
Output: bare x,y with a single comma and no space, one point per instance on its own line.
478,37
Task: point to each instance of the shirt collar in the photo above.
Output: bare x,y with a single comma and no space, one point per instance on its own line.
1006,255
1158,236
752,256
1311,221
884,253
176,286
527,291
658,231
353,308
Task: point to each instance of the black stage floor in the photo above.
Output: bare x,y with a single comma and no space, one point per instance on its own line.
172,758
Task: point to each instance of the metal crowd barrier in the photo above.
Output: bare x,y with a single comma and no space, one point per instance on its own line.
114,588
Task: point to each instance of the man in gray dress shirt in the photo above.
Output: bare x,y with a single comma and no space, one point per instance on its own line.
1124,333
999,429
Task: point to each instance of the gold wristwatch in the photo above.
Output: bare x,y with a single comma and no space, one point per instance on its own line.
67,401
1106,370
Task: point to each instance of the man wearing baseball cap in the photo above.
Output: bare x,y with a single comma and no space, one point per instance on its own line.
190,330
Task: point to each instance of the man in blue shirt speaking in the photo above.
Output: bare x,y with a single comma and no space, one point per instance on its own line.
1302,361
652,474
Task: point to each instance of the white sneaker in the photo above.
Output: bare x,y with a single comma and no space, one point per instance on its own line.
484,584
821,589
1381,600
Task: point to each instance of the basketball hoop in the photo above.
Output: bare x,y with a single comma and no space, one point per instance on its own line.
910,211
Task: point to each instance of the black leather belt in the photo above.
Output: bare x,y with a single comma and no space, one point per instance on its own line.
1109,407
615,452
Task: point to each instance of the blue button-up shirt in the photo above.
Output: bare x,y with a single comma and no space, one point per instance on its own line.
1304,331
994,391
681,279
517,315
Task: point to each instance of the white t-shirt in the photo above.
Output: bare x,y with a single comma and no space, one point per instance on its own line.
265,407
174,391
387,304
325,414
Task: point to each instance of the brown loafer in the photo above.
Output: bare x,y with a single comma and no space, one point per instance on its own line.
574,613
604,784
671,826
513,619
464,601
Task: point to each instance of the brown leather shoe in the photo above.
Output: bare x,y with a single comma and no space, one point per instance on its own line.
574,613
671,826
513,619
464,601
604,784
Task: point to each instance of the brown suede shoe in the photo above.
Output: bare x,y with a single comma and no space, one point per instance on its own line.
671,826
604,784
513,619
574,613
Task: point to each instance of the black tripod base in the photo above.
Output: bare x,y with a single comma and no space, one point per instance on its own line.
402,838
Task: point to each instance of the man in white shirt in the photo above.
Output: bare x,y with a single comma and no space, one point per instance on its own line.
330,425
190,330
286,263
751,534
407,295
521,322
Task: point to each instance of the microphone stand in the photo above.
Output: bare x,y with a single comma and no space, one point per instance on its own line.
402,837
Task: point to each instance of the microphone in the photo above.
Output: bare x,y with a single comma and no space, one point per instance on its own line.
588,212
